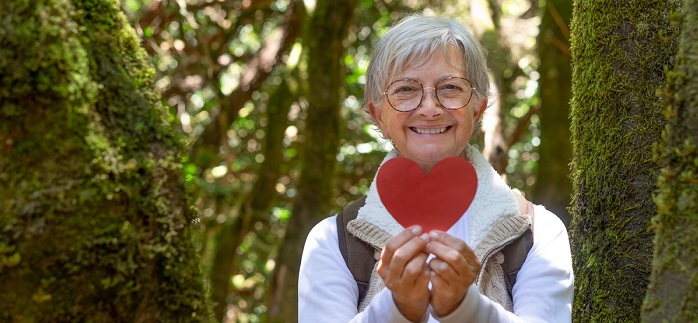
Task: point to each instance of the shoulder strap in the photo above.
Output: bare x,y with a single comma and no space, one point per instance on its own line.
358,255
516,252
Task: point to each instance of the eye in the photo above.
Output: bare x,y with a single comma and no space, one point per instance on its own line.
451,87
405,89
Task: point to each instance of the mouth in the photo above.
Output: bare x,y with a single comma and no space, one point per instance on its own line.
430,131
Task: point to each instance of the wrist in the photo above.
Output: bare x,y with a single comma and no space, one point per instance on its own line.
413,311
445,310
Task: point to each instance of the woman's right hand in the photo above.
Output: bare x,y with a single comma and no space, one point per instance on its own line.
404,269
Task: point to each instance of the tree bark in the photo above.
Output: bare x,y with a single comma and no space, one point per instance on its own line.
328,30
619,52
673,293
553,187
95,215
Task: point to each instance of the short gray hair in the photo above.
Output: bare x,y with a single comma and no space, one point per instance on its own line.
415,38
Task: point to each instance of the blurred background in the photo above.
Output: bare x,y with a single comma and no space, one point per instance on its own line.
269,95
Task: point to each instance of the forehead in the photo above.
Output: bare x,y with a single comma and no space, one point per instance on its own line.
452,56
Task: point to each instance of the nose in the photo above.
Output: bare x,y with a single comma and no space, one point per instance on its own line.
430,105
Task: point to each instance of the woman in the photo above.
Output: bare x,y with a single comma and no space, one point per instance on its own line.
426,89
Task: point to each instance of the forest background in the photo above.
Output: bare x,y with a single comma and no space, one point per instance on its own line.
237,76
255,107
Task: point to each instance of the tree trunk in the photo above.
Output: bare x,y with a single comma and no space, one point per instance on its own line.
328,29
553,187
496,144
256,205
94,211
673,293
619,52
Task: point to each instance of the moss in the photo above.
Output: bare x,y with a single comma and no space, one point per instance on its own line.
619,52
672,294
96,222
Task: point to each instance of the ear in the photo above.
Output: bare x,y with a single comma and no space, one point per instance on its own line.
479,109
378,119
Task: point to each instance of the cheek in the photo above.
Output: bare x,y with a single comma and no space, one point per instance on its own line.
390,124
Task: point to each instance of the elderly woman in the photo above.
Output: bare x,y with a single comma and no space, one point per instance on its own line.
426,89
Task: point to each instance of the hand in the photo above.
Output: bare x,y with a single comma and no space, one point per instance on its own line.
453,270
403,268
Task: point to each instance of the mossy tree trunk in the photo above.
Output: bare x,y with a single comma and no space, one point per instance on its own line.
94,213
673,291
619,50
553,187
326,35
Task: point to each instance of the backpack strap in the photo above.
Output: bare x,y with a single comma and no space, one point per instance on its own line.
516,252
358,255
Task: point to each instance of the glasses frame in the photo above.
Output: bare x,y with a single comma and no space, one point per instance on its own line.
436,95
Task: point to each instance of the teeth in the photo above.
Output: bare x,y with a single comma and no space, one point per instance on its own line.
430,131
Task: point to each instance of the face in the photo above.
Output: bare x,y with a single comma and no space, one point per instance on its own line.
431,132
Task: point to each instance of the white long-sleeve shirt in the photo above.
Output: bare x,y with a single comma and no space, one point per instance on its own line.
327,291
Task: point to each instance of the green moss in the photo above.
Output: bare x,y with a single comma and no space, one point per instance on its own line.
619,51
674,285
96,222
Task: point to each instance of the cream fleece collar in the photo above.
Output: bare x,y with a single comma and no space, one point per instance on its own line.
493,200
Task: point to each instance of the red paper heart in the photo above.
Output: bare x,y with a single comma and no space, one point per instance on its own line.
434,201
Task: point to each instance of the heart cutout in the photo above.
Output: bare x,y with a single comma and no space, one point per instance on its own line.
434,201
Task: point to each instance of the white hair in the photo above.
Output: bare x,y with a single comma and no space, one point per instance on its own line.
416,38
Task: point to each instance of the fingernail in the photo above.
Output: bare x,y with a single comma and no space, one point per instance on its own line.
417,229
425,237
434,234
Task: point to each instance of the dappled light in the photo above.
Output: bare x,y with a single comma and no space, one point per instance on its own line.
234,74
169,160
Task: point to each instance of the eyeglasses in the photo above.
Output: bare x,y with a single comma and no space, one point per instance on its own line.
453,93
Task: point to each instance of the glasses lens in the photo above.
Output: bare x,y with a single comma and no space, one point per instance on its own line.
454,92
404,95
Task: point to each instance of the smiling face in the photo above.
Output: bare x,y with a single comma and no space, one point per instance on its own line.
431,132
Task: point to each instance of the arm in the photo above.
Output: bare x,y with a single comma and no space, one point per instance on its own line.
327,291
544,286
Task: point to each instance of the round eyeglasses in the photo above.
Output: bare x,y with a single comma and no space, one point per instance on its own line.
453,93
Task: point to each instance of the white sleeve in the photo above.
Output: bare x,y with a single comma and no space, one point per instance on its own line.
327,291
544,287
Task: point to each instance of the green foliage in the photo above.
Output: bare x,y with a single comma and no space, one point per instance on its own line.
96,221
205,54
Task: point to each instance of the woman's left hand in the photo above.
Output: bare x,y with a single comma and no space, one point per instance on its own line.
453,270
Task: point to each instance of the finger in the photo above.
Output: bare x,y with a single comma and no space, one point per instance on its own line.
399,251
451,241
446,242
396,242
448,258
438,283
413,287
413,251
415,268
442,268
449,276
400,239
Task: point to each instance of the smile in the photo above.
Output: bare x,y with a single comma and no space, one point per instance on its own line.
429,131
